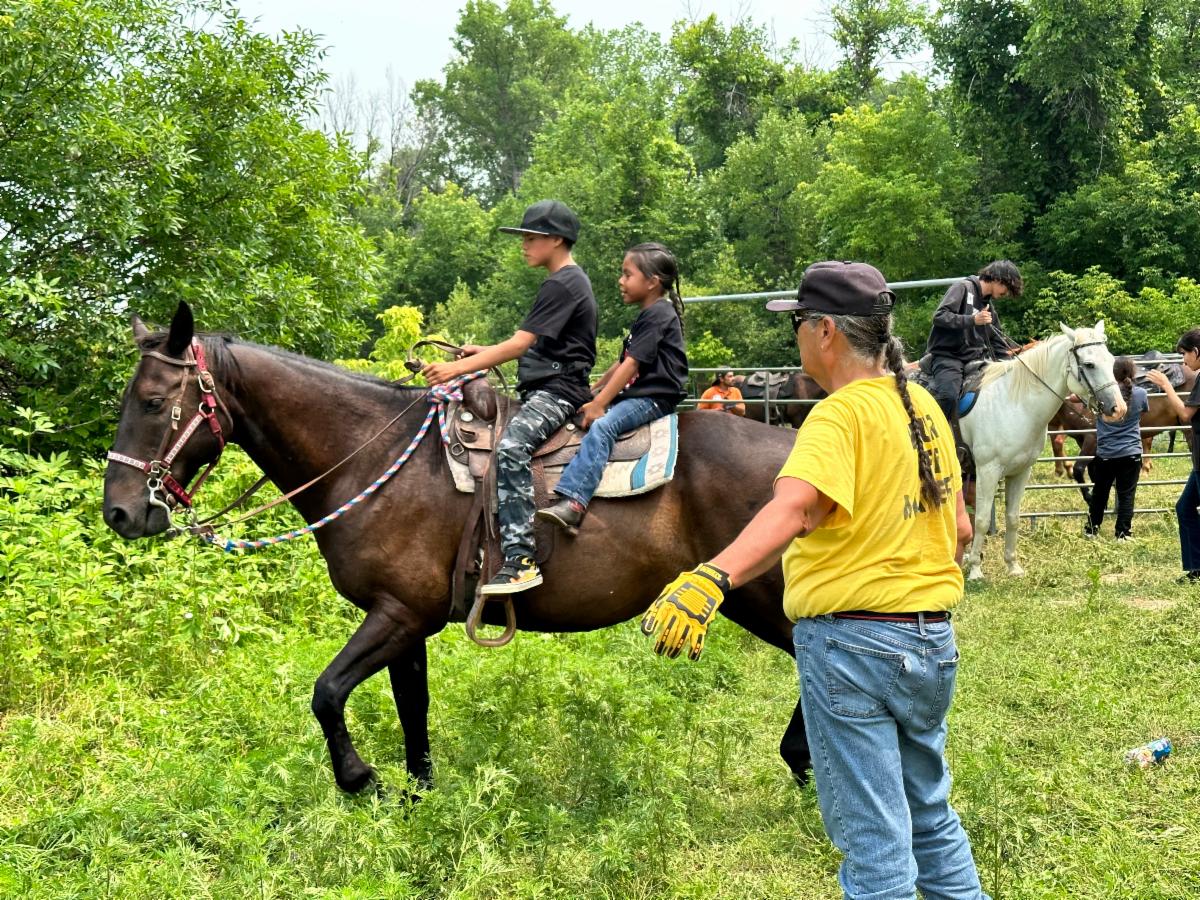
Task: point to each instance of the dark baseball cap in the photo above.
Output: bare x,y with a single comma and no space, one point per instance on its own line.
840,289
548,217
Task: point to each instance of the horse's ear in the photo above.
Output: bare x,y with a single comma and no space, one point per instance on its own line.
1067,330
140,331
1100,328
183,326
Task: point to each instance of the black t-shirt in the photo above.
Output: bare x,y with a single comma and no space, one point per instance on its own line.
1193,399
656,341
564,319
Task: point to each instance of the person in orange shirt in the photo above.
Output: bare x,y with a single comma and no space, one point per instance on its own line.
723,389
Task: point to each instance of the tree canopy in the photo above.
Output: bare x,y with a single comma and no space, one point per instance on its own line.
157,150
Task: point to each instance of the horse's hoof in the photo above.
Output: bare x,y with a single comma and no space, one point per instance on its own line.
358,781
975,575
1015,571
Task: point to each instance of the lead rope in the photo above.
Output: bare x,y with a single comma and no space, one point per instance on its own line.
439,397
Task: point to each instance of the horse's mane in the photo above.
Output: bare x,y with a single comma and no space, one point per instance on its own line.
1024,383
224,365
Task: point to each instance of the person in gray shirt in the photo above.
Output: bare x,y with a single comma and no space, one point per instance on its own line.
1118,456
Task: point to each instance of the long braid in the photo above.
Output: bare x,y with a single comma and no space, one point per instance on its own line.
931,491
676,301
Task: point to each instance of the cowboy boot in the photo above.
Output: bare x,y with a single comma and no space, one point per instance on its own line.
567,514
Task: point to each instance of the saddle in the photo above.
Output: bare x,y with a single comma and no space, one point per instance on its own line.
473,428
771,382
972,376
1173,371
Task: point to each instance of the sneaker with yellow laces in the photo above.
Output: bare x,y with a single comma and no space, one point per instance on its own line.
515,575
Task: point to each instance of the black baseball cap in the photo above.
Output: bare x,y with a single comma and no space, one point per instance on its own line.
840,289
548,217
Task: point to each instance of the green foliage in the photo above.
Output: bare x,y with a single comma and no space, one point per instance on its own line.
451,239
729,77
895,190
511,68
758,194
157,151
1151,319
866,30
402,327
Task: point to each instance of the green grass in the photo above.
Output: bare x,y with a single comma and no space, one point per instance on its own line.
146,752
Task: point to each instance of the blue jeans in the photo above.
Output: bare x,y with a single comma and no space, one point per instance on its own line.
583,474
875,697
1189,521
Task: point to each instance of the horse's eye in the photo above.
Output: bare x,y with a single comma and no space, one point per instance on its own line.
154,404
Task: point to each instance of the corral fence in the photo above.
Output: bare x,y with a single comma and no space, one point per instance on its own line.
699,378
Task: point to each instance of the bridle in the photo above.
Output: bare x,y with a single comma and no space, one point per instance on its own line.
1080,375
165,490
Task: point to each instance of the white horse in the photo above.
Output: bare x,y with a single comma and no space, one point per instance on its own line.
1006,429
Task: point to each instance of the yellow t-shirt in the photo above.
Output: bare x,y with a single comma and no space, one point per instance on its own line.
881,549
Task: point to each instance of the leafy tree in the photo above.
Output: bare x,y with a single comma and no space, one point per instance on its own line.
729,79
1143,220
895,190
1153,318
866,30
1041,86
156,151
511,68
451,239
757,193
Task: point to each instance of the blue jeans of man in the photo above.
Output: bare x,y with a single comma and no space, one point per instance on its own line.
1189,522
875,697
583,473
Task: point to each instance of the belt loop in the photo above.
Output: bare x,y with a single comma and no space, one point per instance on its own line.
921,622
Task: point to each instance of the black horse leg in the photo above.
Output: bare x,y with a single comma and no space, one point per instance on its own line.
793,747
410,686
379,640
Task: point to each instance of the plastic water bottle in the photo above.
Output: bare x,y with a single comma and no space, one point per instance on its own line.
1149,754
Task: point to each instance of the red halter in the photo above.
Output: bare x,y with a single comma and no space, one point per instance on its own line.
158,471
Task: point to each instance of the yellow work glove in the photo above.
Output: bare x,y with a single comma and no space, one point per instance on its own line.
684,608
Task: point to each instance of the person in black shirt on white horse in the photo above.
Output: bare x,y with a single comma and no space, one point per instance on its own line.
966,327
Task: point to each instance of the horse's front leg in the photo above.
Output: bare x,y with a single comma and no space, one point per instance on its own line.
410,687
1014,488
985,496
385,635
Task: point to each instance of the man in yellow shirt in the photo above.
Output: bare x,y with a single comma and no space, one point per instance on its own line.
723,388
869,520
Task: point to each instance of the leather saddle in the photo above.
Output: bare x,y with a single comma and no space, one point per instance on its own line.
473,434
972,376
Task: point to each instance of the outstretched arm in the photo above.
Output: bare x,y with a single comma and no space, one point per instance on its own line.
796,510
482,358
1181,409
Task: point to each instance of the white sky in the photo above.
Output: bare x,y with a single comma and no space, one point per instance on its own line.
366,38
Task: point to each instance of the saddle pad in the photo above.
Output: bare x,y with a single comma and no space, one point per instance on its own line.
625,478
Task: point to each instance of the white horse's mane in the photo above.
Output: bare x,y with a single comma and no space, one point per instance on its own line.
1037,359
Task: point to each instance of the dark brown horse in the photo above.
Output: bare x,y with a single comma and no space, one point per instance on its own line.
393,555
798,386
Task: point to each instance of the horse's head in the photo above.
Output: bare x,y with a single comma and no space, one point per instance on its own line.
167,431
1090,370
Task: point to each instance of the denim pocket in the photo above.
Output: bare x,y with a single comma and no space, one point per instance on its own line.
859,680
947,671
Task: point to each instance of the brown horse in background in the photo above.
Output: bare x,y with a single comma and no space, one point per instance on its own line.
797,387
393,555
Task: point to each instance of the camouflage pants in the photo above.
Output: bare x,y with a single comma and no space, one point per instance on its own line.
542,414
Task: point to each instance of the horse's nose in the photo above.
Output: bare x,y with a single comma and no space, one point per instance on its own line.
117,518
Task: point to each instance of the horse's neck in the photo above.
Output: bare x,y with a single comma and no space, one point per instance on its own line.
1045,396
297,420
